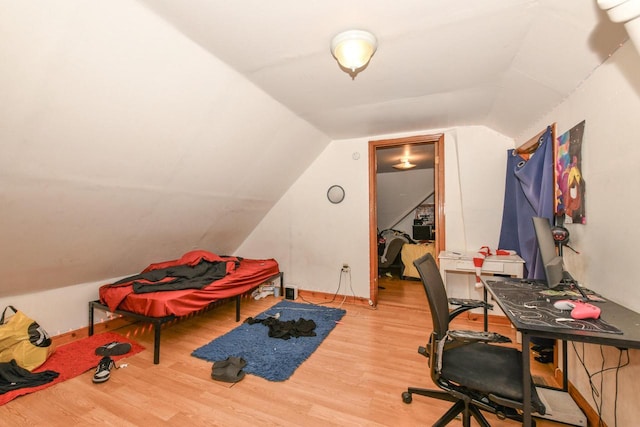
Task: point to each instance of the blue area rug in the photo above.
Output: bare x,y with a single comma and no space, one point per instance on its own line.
273,358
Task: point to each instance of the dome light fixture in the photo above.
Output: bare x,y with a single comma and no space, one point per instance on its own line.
626,12
404,164
353,49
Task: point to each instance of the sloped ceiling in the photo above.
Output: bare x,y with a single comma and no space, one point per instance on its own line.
439,63
124,143
133,131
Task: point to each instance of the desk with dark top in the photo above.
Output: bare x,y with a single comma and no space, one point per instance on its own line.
533,314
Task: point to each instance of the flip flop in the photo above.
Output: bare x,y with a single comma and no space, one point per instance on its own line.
237,361
228,373
114,349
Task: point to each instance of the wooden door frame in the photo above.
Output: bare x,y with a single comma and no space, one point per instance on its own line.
438,141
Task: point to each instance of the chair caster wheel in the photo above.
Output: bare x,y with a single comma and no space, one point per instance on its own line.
406,397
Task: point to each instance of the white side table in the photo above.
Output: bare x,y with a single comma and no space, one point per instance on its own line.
462,262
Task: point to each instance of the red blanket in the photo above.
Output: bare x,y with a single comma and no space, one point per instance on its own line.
239,279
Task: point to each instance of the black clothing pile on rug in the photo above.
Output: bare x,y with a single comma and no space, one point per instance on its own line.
286,329
13,377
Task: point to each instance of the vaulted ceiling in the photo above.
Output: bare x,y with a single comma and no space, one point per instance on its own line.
440,63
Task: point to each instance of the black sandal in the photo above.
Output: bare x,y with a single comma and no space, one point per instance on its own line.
114,349
228,373
231,360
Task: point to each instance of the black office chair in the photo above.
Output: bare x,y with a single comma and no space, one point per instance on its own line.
392,257
472,373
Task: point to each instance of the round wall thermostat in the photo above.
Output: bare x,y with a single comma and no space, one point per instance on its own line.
335,194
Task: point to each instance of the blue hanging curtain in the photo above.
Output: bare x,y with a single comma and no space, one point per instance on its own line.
528,193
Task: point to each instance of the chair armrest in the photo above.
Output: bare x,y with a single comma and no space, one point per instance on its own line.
477,336
465,305
470,303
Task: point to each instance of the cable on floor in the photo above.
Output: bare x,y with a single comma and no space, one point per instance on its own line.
595,395
334,295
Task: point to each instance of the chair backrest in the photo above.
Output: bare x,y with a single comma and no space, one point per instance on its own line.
436,293
394,248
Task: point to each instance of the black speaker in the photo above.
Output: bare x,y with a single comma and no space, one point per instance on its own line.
290,292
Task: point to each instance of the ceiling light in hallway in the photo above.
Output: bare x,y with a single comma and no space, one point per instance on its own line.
404,165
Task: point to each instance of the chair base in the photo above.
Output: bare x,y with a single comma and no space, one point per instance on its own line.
467,410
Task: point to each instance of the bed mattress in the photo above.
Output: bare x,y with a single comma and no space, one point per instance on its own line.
244,275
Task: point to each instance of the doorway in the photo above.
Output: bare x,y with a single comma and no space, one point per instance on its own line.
437,140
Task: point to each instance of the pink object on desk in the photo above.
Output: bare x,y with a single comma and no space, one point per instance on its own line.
584,310
579,310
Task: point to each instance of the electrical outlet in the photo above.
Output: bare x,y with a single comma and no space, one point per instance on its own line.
345,267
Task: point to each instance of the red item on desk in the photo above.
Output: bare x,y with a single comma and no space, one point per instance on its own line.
478,260
505,252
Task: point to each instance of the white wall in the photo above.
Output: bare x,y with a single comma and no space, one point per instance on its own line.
311,238
60,310
609,101
475,168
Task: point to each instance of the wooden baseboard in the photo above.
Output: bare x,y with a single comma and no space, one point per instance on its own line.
589,412
315,296
98,328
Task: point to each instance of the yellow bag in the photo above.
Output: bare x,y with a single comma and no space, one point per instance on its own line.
22,339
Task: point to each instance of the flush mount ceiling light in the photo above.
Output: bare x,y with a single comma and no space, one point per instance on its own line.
353,49
404,165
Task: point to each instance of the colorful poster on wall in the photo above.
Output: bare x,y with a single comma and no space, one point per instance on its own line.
570,187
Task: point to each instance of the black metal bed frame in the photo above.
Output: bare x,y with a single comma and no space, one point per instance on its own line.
157,322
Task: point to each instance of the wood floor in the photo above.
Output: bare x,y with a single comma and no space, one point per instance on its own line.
355,378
